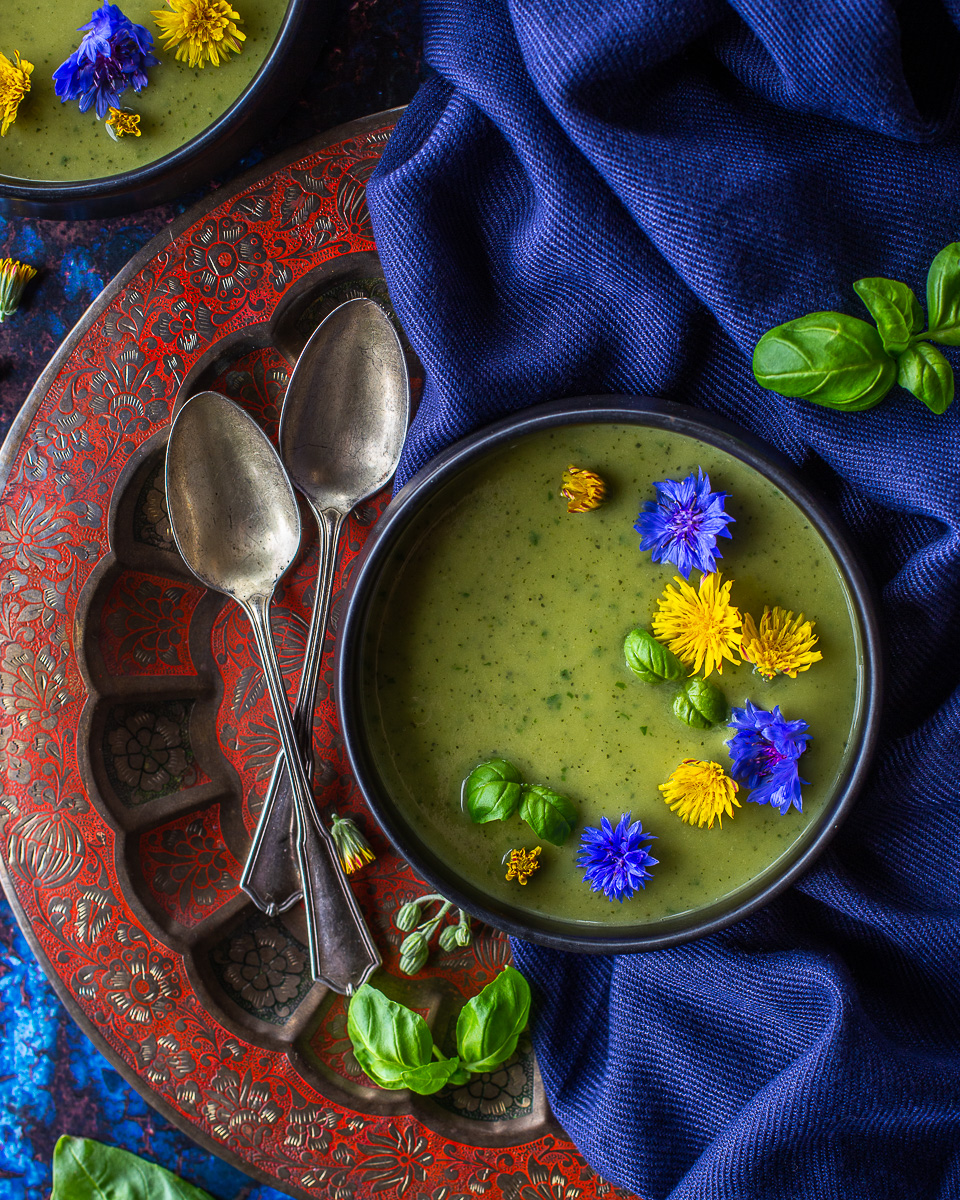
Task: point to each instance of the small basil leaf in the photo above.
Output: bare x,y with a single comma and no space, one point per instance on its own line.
491,1022
700,704
650,659
895,309
88,1170
431,1077
943,296
491,792
827,358
387,1038
925,372
460,1076
550,815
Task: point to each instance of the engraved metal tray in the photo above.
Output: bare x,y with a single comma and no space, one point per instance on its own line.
138,741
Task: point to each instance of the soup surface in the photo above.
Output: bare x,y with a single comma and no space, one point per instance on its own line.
503,637
54,141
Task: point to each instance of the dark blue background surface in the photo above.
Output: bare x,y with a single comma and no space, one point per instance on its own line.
52,1081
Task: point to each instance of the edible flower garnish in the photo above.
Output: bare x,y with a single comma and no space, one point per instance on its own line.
783,644
583,490
682,525
701,627
700,793
352,846
615,859
121,121
113,55
14,277
522,864
14,85
765,750
201,30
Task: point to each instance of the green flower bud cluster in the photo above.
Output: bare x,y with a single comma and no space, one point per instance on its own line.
699,703
415,947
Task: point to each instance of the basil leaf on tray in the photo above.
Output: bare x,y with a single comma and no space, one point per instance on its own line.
550,815
432,1076
700,704
923,370
491,1022
649,659
828,358
491,792
87,1170
390,1042
895,309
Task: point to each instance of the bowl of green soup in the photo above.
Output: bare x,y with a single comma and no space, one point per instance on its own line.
590,744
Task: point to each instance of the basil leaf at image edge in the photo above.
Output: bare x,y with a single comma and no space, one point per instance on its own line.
549,814
827,358
649,659
895,309
490,1024
925,372
387,1038
491,792
87,1170
943,296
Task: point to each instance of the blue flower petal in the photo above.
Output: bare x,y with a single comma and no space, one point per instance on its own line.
682,525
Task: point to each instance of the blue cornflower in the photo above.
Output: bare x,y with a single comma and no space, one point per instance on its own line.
615,860
113,55
765,750
682,525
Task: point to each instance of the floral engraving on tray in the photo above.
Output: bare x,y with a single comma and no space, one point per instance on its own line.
188,862
224,259
496,1095
151,521
149,623
146,751
264,969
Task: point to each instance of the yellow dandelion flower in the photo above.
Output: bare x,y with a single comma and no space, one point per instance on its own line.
202,31
14,85
582,490
522,864
352,846
702,627
782,643
120,122
14,277
700,793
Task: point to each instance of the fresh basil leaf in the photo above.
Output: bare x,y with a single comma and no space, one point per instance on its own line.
431,1077
388,1039
460,1076
895,309
943,296
700,704
924,371
491,792
491,1022
88,1170
550,815
827,358
649,659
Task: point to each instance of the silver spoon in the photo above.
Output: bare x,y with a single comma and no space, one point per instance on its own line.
237,525
342,427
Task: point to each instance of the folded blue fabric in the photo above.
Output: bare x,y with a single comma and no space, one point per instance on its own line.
622,197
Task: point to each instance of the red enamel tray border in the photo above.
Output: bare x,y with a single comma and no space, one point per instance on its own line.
100,399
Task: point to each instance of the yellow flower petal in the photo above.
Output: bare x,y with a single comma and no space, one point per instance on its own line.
782,644
700,793
702,627
522,864
201,31
14,85
583,490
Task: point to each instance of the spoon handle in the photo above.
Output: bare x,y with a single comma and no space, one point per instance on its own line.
268,877
342,951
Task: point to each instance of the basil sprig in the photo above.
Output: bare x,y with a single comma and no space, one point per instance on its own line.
699,703
843,362
396,1050
494,790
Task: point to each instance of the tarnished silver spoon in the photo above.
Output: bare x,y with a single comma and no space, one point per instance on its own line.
342,427
237,525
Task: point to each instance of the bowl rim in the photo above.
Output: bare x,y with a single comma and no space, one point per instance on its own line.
405,507
196,160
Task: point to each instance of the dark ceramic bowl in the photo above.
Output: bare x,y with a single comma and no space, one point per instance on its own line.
378,585
196,162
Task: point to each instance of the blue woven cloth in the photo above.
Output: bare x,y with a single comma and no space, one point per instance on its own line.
622,197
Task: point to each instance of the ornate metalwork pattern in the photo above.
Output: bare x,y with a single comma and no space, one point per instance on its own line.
136,740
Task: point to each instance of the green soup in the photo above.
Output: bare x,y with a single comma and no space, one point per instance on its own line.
503,636
56,142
